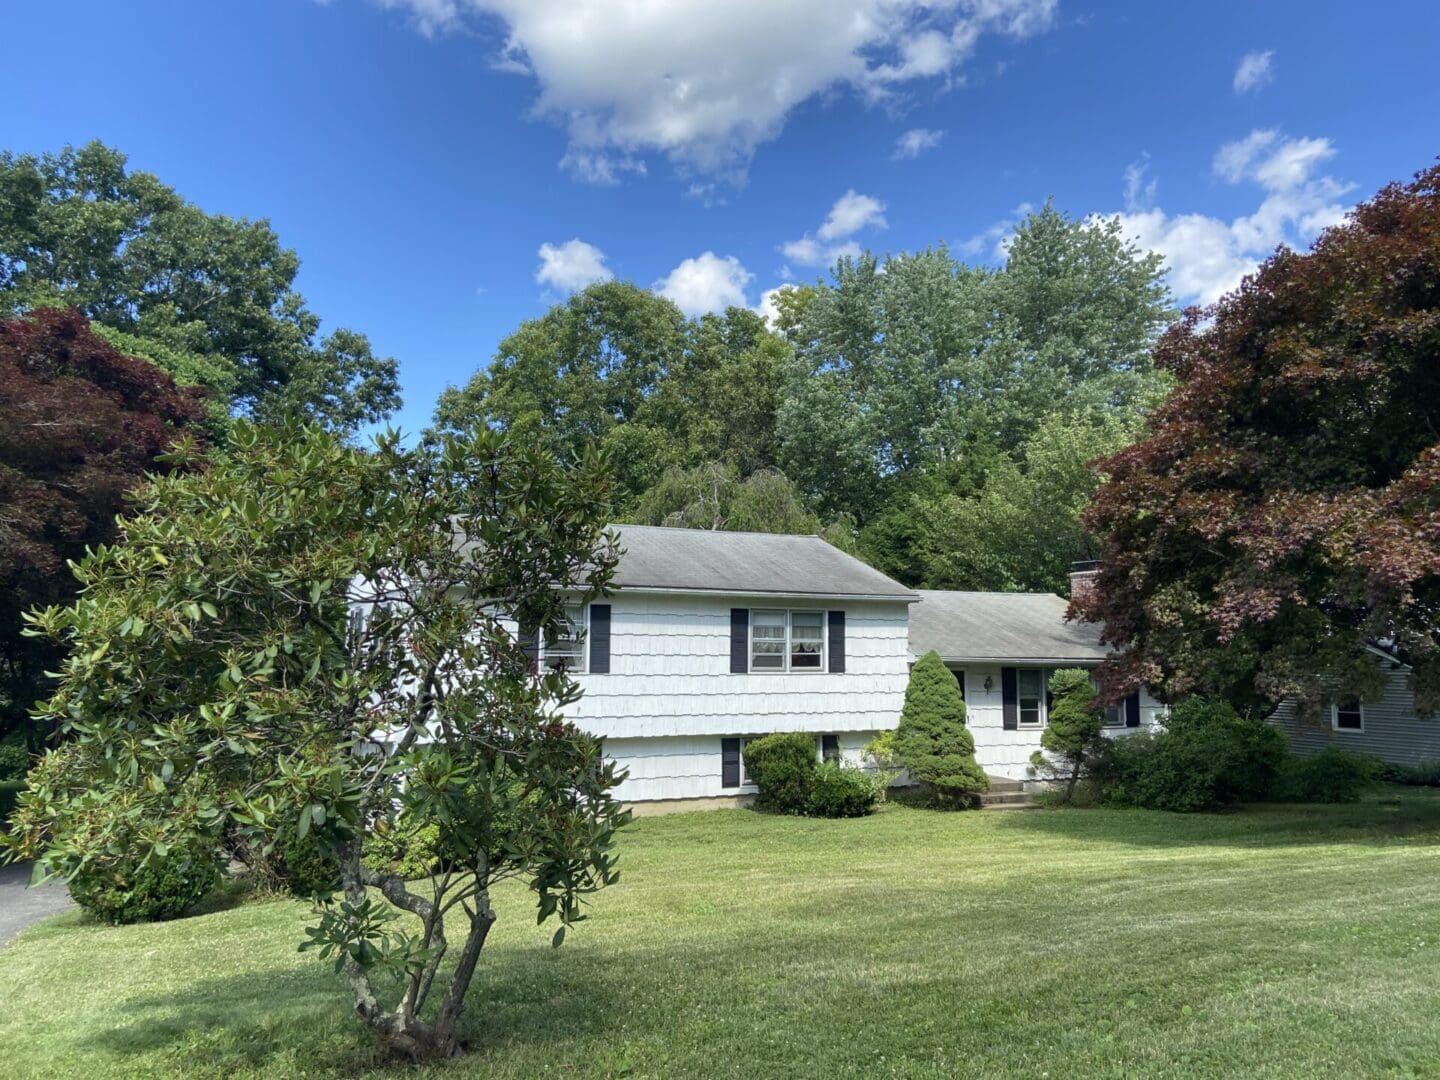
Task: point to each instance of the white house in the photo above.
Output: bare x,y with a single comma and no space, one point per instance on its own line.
712,638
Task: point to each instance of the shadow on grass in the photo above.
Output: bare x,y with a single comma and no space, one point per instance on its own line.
1386,816
298,1019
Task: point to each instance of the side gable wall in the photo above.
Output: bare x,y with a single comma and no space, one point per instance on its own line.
1393,731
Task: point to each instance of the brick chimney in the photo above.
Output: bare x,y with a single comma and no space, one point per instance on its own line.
1082,577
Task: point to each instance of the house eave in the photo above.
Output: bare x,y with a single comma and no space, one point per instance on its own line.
762,594
1086,661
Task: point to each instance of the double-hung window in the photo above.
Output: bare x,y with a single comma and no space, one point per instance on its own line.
1114,714
565,645
1348,715
1030,693
787,640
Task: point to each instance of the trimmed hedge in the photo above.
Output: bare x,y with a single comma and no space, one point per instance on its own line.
932,741
839,791
782,767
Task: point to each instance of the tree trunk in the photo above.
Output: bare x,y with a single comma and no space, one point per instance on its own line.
402,1033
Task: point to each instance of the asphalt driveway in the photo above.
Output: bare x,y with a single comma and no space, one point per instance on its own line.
19,906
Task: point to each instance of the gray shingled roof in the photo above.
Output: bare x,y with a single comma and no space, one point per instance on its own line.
699,560
1000,626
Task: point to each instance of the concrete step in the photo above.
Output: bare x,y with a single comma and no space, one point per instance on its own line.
1000,785
996,799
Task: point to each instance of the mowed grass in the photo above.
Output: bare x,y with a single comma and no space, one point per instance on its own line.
1276,941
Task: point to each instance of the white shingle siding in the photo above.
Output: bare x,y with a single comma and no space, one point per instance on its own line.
1393,730
688,766
1004,753
670,695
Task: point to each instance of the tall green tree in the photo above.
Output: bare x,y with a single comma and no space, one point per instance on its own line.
713,496
618,366
1280,513
269,622
568,378
207,297
921,361
1021,528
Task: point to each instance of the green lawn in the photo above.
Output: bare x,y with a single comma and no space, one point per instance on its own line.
1279,941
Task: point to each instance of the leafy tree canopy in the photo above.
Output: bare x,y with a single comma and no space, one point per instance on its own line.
305,624
207,297
80,426
921,361
1281,511
620,366
1020,528
925,413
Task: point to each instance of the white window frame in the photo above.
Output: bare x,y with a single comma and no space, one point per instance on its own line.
582,626
1041,711
787,668
1117,709
1335,719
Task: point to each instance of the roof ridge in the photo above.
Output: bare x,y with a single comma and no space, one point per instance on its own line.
991,592
727,532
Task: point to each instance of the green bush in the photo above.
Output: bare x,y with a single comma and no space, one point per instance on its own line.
14,759
839,791
405,850
782,766
162,888
1206,757
1331,776
309,866
1425,774
932,742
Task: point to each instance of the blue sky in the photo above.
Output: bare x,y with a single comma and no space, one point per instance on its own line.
448,168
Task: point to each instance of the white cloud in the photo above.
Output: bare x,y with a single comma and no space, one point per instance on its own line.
703,83
834,239
1139,195
851,213
1254,71
571,265
706,283
916,141
1208,256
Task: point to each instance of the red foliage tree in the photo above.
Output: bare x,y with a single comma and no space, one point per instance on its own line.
1282,510
80,425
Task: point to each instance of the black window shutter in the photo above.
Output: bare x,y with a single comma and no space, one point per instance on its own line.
1132,710
837,641
960,681
739,646
530,642
830,747
729,762
600,639
1010,699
